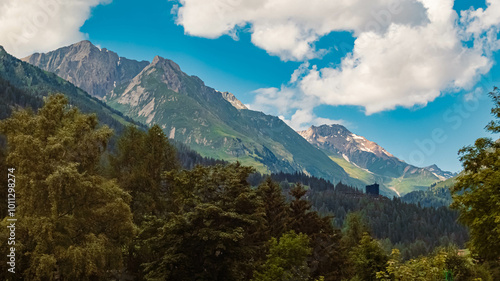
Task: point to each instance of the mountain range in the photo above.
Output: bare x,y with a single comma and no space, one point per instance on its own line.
216,124
213,123
24,85
369,162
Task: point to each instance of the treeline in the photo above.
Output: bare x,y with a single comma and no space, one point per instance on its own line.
436,196
412,229
137,215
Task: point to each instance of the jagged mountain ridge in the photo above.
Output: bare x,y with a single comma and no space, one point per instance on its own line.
24,85
216,124
97,71
369,161
443,175
211,122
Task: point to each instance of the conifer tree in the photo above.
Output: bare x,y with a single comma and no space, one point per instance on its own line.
368,258
138,164
275,207
353,231
328,258
211,230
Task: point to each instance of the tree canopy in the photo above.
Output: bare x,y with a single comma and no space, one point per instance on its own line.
476,193
72,222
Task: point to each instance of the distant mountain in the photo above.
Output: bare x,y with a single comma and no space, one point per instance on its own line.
216,124
97,71
369,162
442,175
24,85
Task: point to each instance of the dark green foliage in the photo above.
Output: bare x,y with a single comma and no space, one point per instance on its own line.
275,207
286,260
410,228
354,229
72,222
476,192
138,164
368,258
327,257
211,230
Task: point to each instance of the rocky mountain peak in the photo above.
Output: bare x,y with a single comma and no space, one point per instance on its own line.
165,64
442,175
233,100
97,71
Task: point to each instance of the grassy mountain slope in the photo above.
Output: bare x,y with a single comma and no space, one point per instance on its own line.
202,118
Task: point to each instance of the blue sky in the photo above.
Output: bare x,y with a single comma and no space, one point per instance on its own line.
234,49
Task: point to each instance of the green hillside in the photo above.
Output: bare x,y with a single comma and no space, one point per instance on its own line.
202,118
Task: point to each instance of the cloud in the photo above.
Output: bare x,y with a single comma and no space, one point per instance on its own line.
287,102
406,53
406,66
42,25
482,26
289,28
303,119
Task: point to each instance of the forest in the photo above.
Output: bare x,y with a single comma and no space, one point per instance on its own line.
146,209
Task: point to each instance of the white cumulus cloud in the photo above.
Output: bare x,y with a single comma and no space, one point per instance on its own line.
29,26
405,66
406,52
289,28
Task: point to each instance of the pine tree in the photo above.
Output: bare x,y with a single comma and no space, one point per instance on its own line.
275,207
138,164
368,258
328,258
353,231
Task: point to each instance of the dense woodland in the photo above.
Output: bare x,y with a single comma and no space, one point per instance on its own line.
438,195
135,212
412,229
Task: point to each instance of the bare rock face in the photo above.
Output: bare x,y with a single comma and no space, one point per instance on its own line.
363,153
233,100
97,71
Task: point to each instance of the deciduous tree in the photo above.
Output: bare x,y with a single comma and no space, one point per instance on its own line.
72,222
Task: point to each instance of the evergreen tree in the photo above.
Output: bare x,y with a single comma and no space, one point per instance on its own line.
138,164
353,231
328,257
73,223
275,207
211,230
